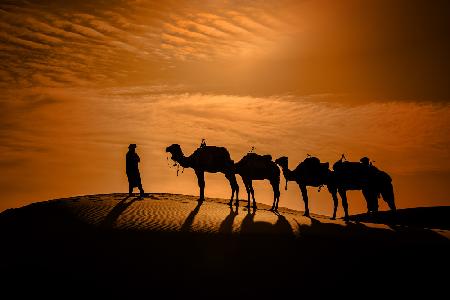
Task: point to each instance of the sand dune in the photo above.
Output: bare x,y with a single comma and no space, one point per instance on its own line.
173,245
166,212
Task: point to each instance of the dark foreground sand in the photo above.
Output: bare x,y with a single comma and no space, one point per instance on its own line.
171,246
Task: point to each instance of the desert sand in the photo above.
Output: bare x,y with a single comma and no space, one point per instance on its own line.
173,246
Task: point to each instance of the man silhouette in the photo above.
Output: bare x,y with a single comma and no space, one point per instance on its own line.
132,169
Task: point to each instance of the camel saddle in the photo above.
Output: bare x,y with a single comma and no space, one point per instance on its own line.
257,156
349,170
313,165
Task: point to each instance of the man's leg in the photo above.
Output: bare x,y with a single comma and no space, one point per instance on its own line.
130,189
141,190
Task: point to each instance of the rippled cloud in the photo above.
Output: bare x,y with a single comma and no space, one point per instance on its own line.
81,80
59,134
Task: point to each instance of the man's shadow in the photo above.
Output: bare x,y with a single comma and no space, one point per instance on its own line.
117,210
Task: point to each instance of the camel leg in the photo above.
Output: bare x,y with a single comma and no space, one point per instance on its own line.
333,193
247,187
253,196
335,204
252,191
201,184
305,198
343,194
276,195
370,199
274,198
392,205
231,199
234,188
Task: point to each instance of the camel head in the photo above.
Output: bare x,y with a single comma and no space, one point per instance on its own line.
282,161
175,150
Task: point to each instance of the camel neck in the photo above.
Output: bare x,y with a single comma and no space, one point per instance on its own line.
179,157
183,160
288,174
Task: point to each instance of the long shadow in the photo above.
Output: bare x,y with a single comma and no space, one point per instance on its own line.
247,223
349,229
421,217
281,227
227,224
190,219
361,232
117,210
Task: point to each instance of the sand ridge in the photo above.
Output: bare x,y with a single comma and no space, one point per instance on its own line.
163,212
172,212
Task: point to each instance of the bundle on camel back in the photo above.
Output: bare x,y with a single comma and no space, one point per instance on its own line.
317,170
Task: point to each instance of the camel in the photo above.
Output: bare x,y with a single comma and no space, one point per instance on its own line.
259,167
210,159
365,177
310,172
345,176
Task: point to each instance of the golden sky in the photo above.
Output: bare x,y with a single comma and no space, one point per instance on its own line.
81,80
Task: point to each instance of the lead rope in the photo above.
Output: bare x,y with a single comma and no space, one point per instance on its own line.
175,165
178,169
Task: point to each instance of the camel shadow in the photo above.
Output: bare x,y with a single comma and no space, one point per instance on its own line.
187,225
349,229
282,226
117,210
420,217
227,224
354,230
252,227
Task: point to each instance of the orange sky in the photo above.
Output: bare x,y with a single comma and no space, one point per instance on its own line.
81,81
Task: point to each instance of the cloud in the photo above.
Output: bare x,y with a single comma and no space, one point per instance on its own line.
111,42
27,44
407,137
310,46
171,39
54,132
81,80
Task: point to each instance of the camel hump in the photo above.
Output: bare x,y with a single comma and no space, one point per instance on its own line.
258,157
358,171
347,166
213,152
211,149
267,156
313,164
312,161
